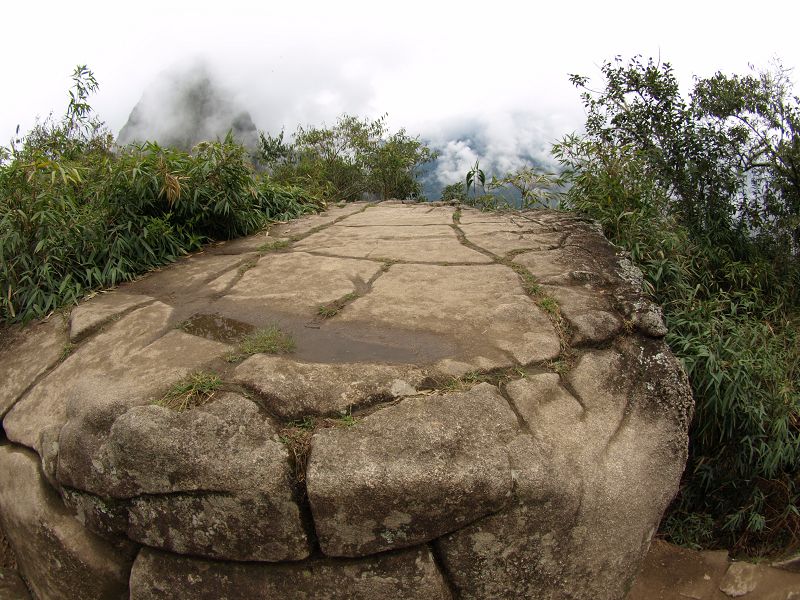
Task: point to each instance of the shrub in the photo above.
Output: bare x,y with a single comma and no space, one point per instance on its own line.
664,178
346,161
77,214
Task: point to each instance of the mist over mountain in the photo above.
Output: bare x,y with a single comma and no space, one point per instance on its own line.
193,103
187,106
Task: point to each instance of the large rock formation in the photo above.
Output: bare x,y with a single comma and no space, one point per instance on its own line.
474,406
185,107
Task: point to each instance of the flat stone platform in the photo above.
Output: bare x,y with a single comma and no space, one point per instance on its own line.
380,401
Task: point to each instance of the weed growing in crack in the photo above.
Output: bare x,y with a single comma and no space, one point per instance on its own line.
326,311
561,365
66,350
457,216
297,440
346,418
529,284
549,305
246,266
191,391
269,340
494,377
308,423
274,246
296,436
546,303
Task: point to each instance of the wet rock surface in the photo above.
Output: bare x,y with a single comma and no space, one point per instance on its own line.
400,401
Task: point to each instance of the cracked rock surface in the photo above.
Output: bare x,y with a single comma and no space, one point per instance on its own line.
462,405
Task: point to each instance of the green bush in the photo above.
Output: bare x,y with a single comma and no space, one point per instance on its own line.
454,191
346,161
77,214
718,250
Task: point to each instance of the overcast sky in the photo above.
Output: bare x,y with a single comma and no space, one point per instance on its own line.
437,68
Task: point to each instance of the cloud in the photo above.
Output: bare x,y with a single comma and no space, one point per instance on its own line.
185,106
501,142
455,159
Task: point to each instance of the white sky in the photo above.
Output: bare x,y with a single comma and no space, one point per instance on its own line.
433,66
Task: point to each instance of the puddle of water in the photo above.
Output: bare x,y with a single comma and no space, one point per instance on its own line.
331,342
216,327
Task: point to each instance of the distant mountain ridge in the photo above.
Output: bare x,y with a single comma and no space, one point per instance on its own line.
184,108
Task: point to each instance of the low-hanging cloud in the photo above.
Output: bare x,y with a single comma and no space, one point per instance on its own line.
501,143
200,100
185,106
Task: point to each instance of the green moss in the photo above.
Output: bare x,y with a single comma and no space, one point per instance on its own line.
274,246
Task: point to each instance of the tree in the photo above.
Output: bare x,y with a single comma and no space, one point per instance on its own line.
353,157
393,165
535,189
702,192
728,156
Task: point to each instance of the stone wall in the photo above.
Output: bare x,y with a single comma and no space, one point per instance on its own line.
476,406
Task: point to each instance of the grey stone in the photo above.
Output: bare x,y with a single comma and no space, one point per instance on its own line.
212,481
409,574
740,579
292,389
548,486
56,555
482,307
132,362
588,311
401,215
34,350
298,282
512,236
518,552
305,224
189,276
591,482
412,472
418,243
89,315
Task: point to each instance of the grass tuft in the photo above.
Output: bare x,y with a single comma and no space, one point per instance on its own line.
191,391
549,305
268,340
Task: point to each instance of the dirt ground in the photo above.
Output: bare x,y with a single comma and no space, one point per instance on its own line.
673,573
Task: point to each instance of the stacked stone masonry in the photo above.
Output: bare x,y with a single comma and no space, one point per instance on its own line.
478,405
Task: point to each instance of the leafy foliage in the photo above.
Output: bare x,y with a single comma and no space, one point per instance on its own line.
75,215
728,157
344,162
703,195
454,191
475,176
